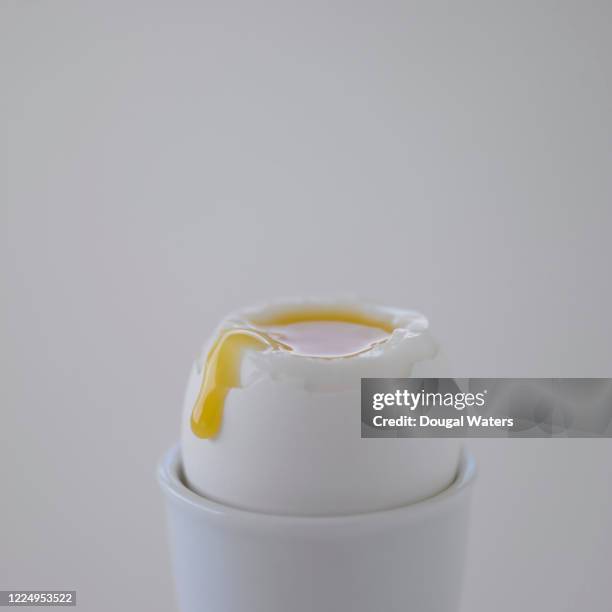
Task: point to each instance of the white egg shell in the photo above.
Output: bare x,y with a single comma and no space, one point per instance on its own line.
291,441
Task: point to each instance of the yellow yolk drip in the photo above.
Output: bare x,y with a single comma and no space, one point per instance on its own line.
323,333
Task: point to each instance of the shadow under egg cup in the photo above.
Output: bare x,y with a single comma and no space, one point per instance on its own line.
407,559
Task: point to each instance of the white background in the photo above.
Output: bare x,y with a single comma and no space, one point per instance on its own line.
165,162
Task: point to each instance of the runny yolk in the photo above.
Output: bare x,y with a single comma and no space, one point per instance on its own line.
324,334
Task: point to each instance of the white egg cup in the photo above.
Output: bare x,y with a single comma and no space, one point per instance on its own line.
407,559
